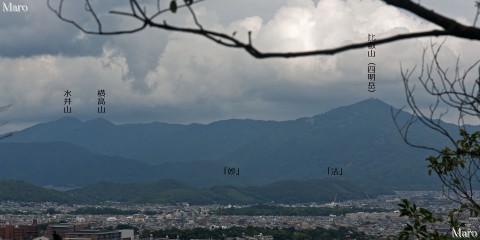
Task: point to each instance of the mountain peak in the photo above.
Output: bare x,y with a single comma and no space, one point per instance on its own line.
372,102
67,121
368,108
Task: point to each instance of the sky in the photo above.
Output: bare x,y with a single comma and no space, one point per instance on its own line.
156,75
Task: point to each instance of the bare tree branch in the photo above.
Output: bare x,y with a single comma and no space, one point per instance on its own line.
4,108
457,165
449,25
449,28
454,93
477,5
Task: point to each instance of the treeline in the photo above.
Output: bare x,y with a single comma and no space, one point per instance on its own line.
278,234
20,191
103,211
267,210
172,192
109,211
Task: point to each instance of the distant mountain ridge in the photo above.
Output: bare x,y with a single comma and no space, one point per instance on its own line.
360,139
174,192
65,164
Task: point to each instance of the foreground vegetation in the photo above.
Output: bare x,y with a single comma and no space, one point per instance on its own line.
280,234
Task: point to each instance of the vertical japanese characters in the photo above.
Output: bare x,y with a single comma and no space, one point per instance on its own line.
101,101
371,65
67,101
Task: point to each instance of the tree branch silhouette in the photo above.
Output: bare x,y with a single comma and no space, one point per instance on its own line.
448,26
458,164
4,108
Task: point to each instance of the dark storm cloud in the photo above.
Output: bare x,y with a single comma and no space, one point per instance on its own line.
170,77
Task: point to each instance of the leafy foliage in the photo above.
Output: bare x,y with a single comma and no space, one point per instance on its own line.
420,219
458,170
173,6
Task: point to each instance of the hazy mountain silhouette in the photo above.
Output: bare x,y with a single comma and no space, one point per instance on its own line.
65,164
173,192
359,138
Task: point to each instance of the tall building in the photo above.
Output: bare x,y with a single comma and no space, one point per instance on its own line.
6,231
19,232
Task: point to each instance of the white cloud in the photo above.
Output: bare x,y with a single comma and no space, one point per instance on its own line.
154,75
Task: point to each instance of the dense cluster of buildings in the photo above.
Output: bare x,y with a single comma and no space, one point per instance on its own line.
25,222
8,231
64,231
78,232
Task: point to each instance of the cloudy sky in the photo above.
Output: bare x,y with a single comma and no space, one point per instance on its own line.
155,75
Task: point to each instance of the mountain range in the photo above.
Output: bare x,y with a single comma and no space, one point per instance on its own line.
360,139
173,192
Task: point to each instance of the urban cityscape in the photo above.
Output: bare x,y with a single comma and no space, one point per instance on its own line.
42,220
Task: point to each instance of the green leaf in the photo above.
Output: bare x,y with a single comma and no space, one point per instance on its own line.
456,181
173,6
